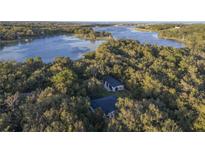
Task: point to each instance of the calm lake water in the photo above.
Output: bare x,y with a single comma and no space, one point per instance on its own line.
73,47
123,32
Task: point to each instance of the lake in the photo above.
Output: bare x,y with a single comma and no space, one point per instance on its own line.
128,32
68,45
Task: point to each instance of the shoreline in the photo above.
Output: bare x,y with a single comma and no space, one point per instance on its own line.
5,43
142,30
82,37
161,37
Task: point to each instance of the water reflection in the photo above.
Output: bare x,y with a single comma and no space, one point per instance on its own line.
66,45
125,32
49,48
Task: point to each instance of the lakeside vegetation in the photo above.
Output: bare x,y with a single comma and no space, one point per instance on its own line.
193,35
165,90
17,32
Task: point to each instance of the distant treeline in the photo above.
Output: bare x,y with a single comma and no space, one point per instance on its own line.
193,35
18,31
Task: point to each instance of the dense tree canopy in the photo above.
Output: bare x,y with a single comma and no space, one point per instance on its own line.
165,90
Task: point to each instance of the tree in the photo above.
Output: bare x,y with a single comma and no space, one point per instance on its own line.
143,115
64,81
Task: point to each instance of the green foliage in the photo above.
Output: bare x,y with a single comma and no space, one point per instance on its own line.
192,35
11,32
51,112
164,90
140,116
64,81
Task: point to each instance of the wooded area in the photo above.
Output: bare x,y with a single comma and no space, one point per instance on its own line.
165,89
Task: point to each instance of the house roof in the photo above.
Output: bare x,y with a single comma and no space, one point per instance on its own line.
112,81
107,104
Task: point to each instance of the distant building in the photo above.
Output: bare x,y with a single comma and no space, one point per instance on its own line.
112,84
106,104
